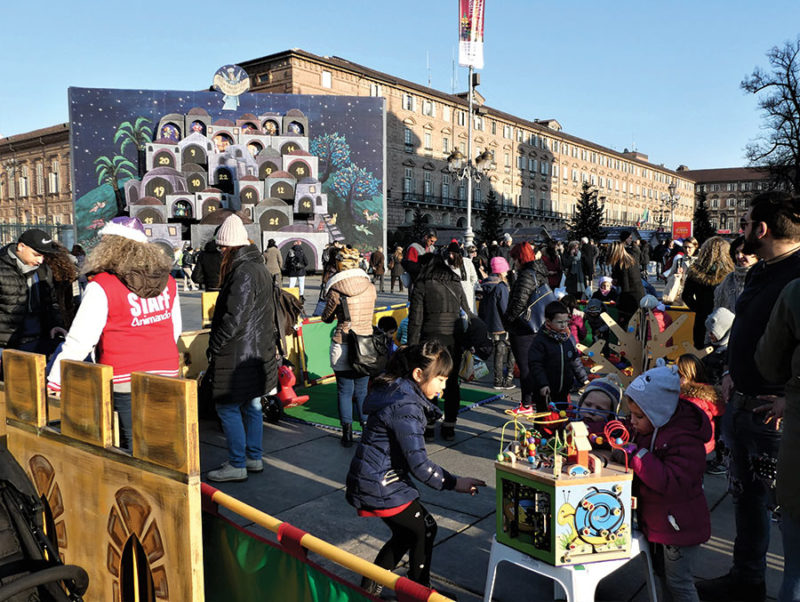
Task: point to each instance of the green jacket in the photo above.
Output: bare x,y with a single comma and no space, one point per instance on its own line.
778,360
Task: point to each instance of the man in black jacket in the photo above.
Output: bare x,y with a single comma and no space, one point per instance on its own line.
29,314
752,420
206,269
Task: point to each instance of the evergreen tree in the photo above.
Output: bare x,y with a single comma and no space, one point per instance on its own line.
491,222
701,227
418,226
588,218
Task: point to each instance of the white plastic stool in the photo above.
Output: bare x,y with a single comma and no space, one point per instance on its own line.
579,584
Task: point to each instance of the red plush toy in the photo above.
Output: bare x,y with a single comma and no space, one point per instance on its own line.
286,394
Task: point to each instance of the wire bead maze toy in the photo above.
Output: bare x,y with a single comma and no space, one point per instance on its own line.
617,436
536,446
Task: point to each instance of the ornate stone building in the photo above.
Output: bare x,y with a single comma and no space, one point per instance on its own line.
727,191
539,167
36,177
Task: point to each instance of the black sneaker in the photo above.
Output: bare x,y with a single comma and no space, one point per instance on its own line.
715,468
448,432
430,433
729,588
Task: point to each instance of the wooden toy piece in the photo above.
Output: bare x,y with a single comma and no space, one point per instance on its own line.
557,464
578,446
602,363
657,346
699,353
595,465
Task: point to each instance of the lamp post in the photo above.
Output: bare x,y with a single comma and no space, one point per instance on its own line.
463,168
673,201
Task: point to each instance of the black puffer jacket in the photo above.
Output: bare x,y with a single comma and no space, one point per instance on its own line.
206,269
15,303
555,362
529,278
436,302
392,449
243,337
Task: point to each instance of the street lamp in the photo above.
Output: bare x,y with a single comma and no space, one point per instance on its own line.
672,201
470,171
464,168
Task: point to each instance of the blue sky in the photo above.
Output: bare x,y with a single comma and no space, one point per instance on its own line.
660,76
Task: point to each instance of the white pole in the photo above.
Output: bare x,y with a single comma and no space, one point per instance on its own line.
468,233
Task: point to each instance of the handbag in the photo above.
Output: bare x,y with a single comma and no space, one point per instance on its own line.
474,334
367,354
534,312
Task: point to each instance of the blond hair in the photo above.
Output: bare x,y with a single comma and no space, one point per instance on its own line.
619,256
713,261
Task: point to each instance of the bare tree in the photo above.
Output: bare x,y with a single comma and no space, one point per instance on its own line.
778,91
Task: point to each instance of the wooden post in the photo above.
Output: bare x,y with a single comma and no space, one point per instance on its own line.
86,405
25,387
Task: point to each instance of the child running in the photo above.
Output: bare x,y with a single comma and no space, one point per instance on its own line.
392,449
668,461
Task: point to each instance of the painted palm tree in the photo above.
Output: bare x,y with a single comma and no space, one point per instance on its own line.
138,133
109,171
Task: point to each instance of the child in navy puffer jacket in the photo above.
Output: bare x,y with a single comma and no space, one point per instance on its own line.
668,460
392,449
492,307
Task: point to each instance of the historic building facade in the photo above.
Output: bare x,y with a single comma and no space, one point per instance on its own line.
728,191
539,168
537,175
36,177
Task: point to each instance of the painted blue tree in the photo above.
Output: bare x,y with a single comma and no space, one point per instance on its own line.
333,151
353,183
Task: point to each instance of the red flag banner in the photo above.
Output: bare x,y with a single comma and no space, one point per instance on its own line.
470,33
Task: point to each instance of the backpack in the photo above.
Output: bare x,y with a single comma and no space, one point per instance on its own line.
30,567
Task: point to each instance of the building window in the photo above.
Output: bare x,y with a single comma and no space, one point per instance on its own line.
462,118
479,123
715,203
409,102
326,79
23,181
375,89
520,135
39,178
555,170
507,131
532,165
428,108
408,180
507,159
494,128
427,185
446,145
446,113
445,189
715,188
544,167
462,192
521,163
408,140
731,202
476,194
731,186
574,175
428,143
462,147
555,146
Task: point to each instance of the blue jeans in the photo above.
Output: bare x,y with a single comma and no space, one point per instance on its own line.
122,406
747,438
243,425
678,565
790,590
351,393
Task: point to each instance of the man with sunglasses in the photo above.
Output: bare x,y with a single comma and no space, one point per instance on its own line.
752,422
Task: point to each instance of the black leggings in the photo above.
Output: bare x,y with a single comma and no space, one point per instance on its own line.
413,531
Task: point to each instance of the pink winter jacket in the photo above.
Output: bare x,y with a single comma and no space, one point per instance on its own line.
669,479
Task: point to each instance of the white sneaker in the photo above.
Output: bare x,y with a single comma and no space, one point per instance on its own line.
226,472
254,465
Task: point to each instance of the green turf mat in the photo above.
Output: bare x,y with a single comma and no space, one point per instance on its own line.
321,408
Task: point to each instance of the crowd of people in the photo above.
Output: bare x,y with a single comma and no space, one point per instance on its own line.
715,411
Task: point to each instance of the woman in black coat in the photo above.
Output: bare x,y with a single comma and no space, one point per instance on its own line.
242,350
531,273
434,313
713,263
627,276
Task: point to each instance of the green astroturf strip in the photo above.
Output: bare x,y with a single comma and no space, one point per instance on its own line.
322,406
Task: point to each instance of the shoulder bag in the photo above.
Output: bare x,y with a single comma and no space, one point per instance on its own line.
367,354
541,296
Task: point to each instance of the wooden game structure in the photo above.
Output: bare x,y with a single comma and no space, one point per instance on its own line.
642,344
133,522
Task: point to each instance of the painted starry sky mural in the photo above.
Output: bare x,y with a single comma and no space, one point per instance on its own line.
355,124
